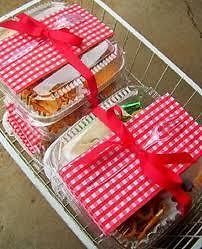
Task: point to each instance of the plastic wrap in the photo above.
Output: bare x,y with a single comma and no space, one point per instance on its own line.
55,159
163,219
46,94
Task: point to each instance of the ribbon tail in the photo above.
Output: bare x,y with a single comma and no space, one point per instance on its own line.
183,199
13,25
25,25
168,180
161,160
160,174
175,158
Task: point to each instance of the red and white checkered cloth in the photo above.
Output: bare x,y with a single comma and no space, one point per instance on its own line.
30,136
42,59
114,187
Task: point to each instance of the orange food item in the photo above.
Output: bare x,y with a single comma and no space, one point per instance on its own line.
138,225
61,96
68,121
198,180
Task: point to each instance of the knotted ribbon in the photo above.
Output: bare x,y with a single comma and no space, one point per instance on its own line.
62,39
153,164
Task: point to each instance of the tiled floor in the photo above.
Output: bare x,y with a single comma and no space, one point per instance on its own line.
26,220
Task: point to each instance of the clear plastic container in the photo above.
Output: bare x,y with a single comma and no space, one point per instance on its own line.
54,159
45,106
153,220
43,136
64,90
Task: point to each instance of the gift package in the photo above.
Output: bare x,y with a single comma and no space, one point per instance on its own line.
134,194
129,163
131,99
106,183
45,94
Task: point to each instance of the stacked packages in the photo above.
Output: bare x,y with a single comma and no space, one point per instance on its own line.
45,93
131,164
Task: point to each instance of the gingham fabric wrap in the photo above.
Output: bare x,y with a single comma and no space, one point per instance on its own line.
44,58
29,136
114,187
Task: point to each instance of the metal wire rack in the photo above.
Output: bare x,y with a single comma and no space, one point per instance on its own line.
145,65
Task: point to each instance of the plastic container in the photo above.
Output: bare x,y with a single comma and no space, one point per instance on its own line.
61,91
45,106
150,222
44,103
54,159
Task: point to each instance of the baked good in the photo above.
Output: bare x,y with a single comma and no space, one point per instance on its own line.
141,223
95,132
49,96
61,125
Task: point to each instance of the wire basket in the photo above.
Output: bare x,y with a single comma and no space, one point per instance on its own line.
145,65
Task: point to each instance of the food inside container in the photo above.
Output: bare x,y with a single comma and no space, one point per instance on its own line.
112,188
38,77
58,94
63,124
144,224
89,130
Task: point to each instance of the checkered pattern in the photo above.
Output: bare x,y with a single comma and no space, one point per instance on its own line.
24,60
31,137
114,187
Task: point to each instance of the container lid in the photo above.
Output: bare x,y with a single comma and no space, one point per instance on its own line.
114,186
55,159
25,59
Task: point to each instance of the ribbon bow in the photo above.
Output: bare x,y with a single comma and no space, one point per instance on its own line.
153,165
62,39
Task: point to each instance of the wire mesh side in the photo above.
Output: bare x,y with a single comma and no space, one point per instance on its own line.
145,65
38,171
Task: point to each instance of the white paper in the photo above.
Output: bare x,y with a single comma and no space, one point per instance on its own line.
68,73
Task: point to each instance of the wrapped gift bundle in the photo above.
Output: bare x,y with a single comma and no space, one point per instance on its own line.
131,99
130,165
122,187
51,67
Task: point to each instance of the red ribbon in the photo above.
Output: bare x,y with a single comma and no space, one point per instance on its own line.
153,165
62,39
